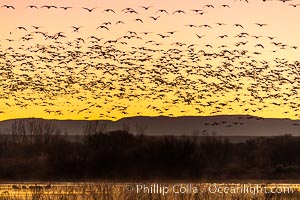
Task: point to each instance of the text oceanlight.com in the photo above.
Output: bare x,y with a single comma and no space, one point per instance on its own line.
209,188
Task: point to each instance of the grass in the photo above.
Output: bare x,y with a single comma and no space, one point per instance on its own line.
123,191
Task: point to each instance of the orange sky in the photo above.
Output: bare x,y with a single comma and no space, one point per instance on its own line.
32,101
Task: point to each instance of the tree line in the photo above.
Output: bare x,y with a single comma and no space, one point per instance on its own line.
35,149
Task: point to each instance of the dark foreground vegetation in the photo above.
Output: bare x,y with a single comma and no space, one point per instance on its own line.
37,150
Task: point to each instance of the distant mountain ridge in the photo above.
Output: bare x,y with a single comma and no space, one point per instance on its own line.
226,125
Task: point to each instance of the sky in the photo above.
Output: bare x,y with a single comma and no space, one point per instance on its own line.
201,58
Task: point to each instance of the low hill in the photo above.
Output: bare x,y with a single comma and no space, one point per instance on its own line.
225,125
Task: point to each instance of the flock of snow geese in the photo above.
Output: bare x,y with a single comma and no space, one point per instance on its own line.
149,72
